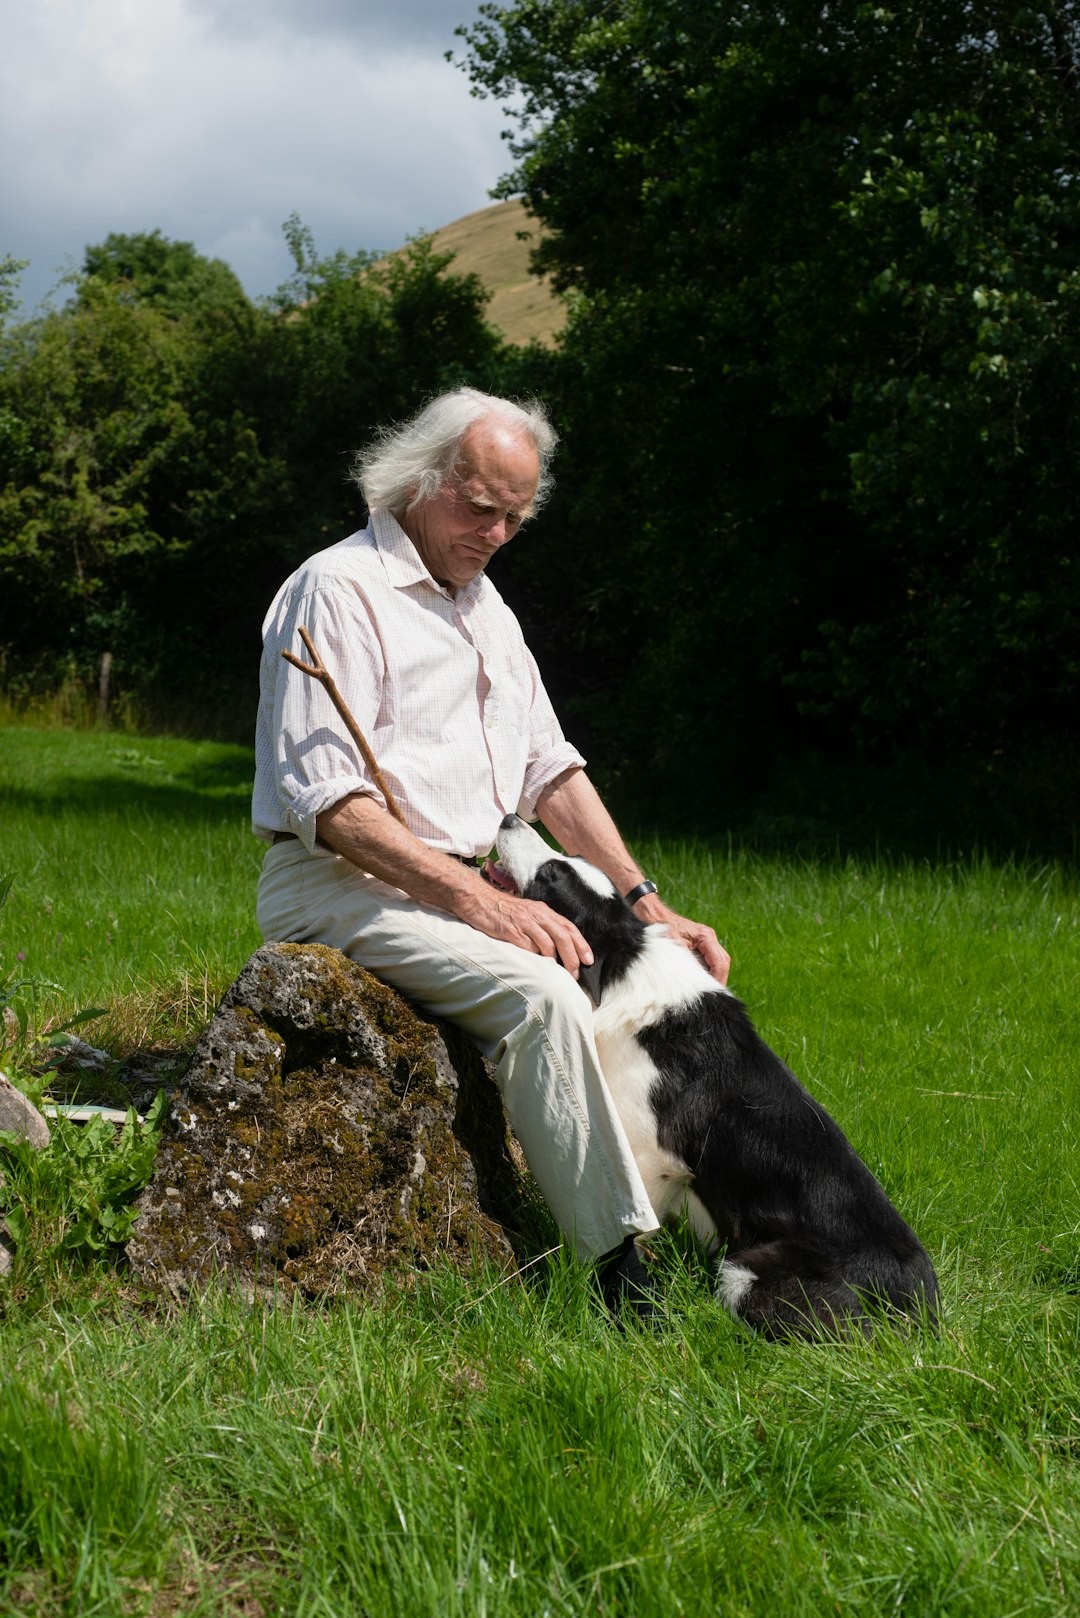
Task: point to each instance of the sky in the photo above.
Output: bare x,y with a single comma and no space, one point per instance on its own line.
214,120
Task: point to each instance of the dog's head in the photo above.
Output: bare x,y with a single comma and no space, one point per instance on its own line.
576,890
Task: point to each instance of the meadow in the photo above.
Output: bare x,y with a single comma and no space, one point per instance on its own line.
493,1446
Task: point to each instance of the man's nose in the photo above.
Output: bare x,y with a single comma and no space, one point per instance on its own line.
494,532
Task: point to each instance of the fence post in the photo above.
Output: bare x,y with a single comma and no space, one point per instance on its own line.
103,685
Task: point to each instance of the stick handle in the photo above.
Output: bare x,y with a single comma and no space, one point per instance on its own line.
319,672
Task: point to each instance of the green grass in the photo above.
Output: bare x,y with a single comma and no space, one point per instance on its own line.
494,1447
134,874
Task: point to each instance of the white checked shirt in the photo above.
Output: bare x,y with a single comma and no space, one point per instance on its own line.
443,688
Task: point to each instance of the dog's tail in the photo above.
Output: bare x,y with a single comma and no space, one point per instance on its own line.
790,1288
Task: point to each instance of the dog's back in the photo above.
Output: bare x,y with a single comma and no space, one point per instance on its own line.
811,1237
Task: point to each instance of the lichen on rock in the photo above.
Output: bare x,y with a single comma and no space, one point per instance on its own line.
325,1133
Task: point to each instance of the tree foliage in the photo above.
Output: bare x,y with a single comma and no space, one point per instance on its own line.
121,458
360,341
820,386
168,449
157,273
818,393
10,270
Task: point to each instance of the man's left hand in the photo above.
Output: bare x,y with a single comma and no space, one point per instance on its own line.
704,943
695,935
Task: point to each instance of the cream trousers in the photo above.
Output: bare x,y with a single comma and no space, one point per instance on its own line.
525,1012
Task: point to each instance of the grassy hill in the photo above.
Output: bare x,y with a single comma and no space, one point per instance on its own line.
488,242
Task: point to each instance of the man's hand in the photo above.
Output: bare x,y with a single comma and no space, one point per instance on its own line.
701,939
695,935
527,923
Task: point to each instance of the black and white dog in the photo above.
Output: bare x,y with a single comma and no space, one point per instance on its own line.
721,1128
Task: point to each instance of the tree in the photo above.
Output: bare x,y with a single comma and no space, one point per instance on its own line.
112,471
10,270
820,383
157,273
168,450
362,340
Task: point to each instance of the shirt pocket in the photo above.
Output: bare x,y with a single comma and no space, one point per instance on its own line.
509,695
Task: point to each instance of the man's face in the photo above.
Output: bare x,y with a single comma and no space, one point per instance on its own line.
479,508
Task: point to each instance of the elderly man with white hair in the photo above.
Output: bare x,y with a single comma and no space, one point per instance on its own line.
435,670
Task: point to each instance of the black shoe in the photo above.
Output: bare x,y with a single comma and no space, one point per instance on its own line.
626,1285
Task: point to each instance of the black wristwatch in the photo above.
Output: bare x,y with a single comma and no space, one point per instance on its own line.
639,892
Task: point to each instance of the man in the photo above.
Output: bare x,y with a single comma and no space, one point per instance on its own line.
434,668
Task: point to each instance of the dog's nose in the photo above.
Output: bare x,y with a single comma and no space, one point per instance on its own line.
509,822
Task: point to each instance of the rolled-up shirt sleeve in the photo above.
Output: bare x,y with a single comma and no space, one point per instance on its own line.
315,761
550,754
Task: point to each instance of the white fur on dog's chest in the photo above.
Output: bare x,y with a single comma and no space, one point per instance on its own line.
665,978
630,1076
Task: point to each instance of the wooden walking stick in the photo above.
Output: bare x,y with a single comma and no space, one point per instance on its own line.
319,672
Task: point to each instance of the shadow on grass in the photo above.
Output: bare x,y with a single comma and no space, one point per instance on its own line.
110,799
118,776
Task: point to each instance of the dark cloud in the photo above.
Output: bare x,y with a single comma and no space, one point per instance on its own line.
378,24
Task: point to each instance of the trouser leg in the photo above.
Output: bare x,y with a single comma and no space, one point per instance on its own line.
524,1011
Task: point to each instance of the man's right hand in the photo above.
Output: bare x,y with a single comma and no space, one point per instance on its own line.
528,923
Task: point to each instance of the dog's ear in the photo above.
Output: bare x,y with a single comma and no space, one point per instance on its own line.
591,979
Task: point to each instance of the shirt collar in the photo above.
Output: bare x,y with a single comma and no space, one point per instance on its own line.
403,566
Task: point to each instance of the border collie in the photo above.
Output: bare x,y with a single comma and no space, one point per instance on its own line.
721,1129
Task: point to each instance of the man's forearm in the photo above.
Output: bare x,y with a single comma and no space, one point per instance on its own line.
575,814
571,808
361,830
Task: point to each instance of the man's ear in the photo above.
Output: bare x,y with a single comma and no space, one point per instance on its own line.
591,979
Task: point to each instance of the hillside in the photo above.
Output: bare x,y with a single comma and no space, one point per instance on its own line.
486,242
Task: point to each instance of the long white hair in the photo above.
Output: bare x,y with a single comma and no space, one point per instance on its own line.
407,464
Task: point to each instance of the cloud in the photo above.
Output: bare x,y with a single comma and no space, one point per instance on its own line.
213,120
403,27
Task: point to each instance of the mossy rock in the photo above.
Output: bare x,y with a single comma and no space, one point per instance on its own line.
325,1133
